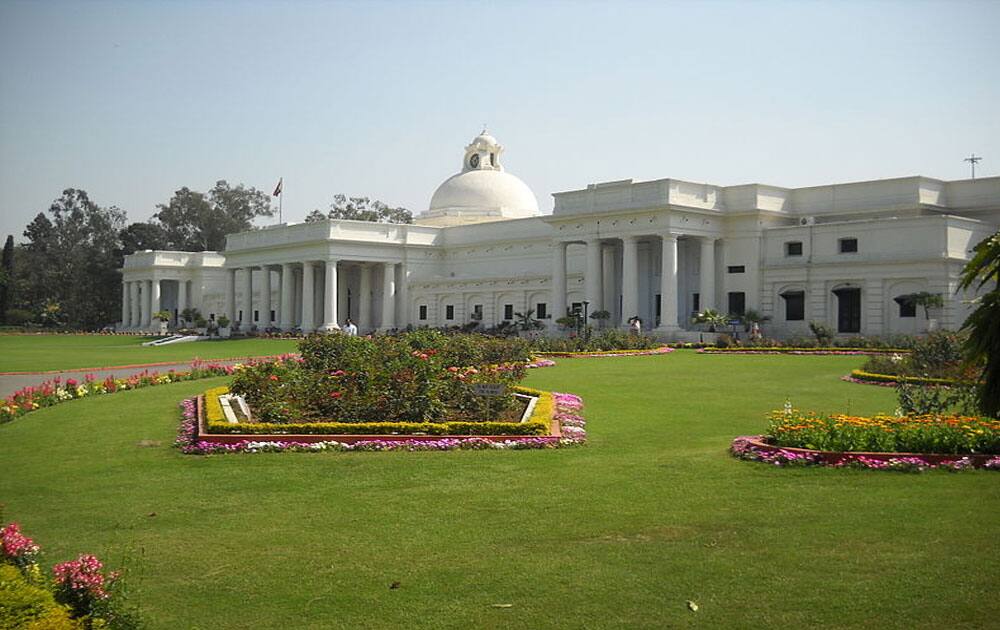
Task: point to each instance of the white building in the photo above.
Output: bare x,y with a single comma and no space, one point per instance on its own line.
843,254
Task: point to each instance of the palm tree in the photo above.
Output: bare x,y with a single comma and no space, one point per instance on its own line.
983,343
712,318
526,320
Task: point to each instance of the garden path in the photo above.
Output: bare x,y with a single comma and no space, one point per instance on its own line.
10,383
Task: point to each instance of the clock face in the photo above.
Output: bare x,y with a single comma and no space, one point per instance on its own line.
474,160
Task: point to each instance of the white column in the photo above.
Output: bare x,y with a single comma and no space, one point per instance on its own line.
330,297
135,319
593,280
308,305
403,299
296,297
231,295
154,298
630,277
265,297
706,289
144,303
608,280
388,296
365,299
125,309
668,283
182,297
558,280
287,280
247,305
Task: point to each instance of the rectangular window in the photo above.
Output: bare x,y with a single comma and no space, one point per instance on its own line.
696,302
793,248
240,318
256,315
423,312
907,307
508,311
795,305
736,269
272,317
449,312
737,303
541,311
477,312
659,307
576,307
848,245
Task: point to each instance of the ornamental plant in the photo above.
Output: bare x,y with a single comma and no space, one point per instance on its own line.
422,376
933,433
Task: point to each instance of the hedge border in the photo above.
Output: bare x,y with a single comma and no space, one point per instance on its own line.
213,423
804,351
607,353
568,429
891,380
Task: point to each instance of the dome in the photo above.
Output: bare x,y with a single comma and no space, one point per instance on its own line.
486,190
483,191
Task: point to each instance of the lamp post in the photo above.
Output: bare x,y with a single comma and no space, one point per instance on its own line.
586,329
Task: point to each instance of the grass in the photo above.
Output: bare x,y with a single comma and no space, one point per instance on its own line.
618,534
22,353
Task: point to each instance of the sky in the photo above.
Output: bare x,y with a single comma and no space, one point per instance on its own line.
131,101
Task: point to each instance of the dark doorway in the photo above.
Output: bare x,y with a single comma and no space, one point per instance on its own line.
848,310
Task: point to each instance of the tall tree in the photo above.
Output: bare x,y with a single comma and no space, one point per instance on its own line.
362,209
195,221
71,260
6,277
983,324
140,236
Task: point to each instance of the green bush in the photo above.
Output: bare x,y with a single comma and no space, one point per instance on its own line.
602,341
417,377
27,606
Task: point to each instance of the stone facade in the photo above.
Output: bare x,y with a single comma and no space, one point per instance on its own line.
662,250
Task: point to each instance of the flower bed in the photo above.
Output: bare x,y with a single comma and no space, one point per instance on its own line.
875,442
609,353
567,428
891,380
756,448
538,424
58,391
803,351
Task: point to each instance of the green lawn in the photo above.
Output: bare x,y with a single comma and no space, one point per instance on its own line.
22,353
619,533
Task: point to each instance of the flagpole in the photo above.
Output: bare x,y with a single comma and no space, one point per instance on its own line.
281,198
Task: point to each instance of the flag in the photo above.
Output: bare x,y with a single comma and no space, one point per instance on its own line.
277,189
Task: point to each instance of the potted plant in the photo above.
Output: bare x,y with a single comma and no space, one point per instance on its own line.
753,319
602,317
161,317
526,323
201,325
224,329
928,301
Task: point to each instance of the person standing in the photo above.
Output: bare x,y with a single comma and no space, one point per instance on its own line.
635,326
350,329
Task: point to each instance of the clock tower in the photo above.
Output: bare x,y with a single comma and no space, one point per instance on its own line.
482,154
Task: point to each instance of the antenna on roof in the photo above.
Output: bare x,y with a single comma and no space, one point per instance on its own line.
973,160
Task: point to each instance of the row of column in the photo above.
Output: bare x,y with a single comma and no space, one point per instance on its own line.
599,258
302,298
141,300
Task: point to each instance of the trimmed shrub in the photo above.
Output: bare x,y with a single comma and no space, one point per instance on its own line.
27,606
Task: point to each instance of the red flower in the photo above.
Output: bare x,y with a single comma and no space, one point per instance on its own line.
336,394
274,377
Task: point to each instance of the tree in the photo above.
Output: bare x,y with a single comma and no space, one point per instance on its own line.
361,209
983,324
927,301
67,271
526,321
144,235
712,318
6,277
195,221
